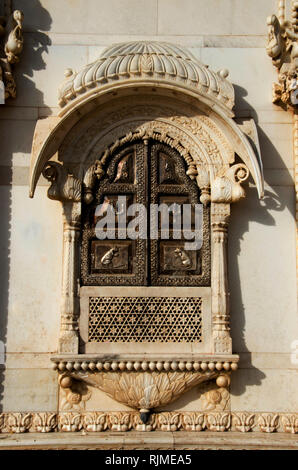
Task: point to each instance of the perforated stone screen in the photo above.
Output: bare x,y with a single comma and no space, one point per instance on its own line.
145,319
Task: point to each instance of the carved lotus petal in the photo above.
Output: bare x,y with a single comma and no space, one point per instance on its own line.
144,389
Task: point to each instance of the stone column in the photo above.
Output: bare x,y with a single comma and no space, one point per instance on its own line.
70,306
222,342
225,189
66,188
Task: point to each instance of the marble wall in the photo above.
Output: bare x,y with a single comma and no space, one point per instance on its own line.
222,33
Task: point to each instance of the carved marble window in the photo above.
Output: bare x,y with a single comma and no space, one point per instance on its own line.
149,122
145,173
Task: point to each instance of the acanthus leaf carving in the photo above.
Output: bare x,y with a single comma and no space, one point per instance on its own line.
268,422
149,426
44,422
69,422
169,421
290,423
120,421
95,421
193,421
219,422
18,422
243,422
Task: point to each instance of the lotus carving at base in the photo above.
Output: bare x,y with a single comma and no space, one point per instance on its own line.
144,390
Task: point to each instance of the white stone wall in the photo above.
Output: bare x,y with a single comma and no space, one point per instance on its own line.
224,34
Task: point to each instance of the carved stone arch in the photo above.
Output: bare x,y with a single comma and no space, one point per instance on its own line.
146,90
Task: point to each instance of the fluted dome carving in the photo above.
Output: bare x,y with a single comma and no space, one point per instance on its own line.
147,60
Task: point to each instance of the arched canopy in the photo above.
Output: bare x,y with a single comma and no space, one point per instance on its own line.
148,68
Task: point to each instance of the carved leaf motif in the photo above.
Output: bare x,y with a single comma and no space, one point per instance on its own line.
140,426
193,421
146,63
146,389
18,422
95,422
268,422
244,422
290,423
70,422
44,422
219,422
169,421
120,421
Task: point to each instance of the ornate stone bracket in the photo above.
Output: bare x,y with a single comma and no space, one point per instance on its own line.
12,47
144,384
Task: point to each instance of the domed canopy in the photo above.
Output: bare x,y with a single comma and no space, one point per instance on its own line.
154,61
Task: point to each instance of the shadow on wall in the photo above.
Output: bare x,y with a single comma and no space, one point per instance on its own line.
36,42
261,212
